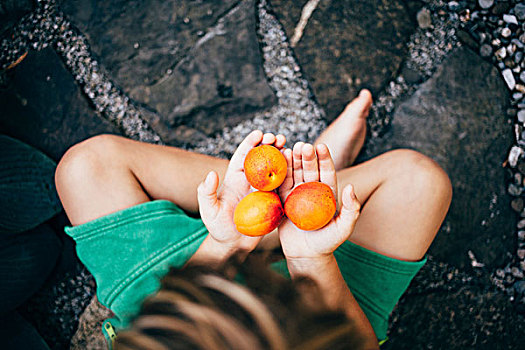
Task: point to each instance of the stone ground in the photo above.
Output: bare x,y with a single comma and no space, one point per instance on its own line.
448,79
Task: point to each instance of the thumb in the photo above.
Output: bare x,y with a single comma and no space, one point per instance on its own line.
350,211
207,196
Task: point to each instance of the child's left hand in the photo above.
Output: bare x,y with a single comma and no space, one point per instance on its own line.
217,207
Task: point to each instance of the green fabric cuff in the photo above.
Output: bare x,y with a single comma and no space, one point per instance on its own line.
129,251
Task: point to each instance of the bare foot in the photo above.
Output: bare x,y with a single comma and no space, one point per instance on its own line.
346,135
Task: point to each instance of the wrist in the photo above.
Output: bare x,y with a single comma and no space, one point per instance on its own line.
310,265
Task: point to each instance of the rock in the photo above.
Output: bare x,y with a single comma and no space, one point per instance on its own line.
485,50
464,128
521,115
514,190
517,204
452,319
521,224
509,78
521,235
519,11
514,155
522,76
411,76
485,4
44,107
196,64
423,18
506,32
501,53
516,272
336,48
510,19
519,287
521,254
27,187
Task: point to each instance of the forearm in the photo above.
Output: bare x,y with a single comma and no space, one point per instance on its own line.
325,272
214,253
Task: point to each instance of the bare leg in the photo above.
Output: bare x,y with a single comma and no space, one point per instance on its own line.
108,173
405,195
346,135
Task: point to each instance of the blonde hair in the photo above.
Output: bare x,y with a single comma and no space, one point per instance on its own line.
201,308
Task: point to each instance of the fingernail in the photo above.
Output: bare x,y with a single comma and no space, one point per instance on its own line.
208,179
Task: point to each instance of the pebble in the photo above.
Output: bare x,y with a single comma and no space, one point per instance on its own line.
516,272
519,11
509,78
521,253
517,204
510,19
521,224
519,287
521,235
515,190
501,53
486,51
485,4
521,115
506,32
520,88
423,18
514,155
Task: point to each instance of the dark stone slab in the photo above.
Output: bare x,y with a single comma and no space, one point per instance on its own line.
43,107
450,308
458,118
27,187
195,63
348,45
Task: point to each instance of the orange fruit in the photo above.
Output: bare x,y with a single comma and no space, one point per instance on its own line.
265,167
258,213
310,206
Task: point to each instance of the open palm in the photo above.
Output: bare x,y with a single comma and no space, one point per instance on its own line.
217,207
308,164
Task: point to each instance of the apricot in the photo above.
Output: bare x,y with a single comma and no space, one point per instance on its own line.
310,206
265,167
258,213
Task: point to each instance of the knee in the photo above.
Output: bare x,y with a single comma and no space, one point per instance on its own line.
422,175
86,161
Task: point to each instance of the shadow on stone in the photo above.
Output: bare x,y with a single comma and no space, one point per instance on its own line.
43,106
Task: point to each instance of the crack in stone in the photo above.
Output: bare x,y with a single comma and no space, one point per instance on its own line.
306,13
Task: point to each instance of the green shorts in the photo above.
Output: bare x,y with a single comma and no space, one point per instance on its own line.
129,251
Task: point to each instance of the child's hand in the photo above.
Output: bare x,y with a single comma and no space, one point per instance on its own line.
216,208
307,164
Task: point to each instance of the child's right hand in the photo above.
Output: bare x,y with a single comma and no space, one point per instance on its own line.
306,164
217,207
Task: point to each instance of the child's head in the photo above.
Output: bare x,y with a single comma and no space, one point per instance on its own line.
199,308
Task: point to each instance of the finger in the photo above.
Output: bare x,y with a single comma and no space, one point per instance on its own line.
297,163
345,221
207,196
249,142
287,184
327,174
310,167
268,139
280,141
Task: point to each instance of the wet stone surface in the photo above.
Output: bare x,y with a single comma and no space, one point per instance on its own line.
195,64
335,48
45,108
458,118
